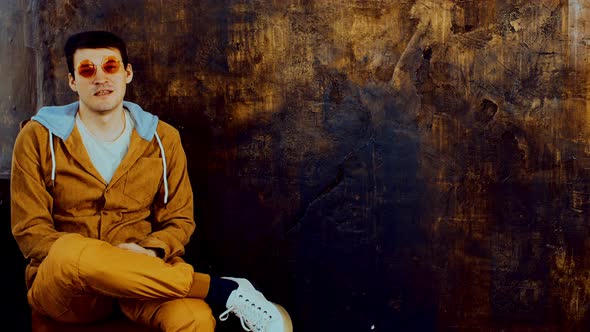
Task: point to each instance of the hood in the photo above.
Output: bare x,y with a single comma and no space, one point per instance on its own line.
60,120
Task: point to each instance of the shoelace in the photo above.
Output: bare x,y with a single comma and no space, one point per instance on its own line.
258,317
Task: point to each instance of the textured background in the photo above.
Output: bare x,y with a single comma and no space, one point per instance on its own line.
372,165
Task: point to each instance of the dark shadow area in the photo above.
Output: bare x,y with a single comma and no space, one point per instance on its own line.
16,312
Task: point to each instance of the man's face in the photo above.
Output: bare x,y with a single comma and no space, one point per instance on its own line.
102,92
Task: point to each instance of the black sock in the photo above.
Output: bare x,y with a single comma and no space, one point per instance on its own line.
219,291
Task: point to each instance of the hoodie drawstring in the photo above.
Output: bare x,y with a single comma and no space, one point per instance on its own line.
165,171
52,157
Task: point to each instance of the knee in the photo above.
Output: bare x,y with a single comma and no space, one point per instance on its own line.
186,314
63,256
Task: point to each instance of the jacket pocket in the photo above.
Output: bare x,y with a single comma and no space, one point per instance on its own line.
143,180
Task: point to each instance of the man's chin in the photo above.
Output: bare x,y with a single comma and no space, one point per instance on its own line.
103,107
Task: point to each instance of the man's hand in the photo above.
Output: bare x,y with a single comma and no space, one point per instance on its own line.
138,249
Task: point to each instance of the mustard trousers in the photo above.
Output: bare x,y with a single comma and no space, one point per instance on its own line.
83,280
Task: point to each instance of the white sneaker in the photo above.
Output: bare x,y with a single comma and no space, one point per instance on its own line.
256,313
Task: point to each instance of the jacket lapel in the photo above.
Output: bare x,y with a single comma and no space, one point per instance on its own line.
75,147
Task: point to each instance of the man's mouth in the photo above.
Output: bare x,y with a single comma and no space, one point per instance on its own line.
103,92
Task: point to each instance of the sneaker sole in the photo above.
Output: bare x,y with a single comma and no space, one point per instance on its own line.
288,326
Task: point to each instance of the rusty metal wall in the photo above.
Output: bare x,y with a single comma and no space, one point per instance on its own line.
373,165
18,66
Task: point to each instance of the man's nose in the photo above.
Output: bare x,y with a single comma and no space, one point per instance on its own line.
100,75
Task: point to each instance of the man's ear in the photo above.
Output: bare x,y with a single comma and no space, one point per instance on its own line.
72,82
129,71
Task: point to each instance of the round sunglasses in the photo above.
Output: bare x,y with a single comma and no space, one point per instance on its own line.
110,65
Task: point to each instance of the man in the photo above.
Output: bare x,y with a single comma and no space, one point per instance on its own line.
102,207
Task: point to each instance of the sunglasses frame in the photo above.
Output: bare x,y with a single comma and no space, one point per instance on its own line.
94,67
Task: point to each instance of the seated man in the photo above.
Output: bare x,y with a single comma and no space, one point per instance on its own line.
102,207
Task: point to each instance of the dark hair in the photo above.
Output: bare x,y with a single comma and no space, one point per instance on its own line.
93,39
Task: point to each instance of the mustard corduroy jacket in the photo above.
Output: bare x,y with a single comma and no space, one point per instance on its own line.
55,188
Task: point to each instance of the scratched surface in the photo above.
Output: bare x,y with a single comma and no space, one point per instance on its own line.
371,165
17,86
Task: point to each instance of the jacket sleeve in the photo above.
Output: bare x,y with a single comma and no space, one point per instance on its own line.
31,203
173,222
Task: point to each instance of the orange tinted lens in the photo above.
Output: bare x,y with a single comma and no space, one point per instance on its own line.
111,65
86,68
